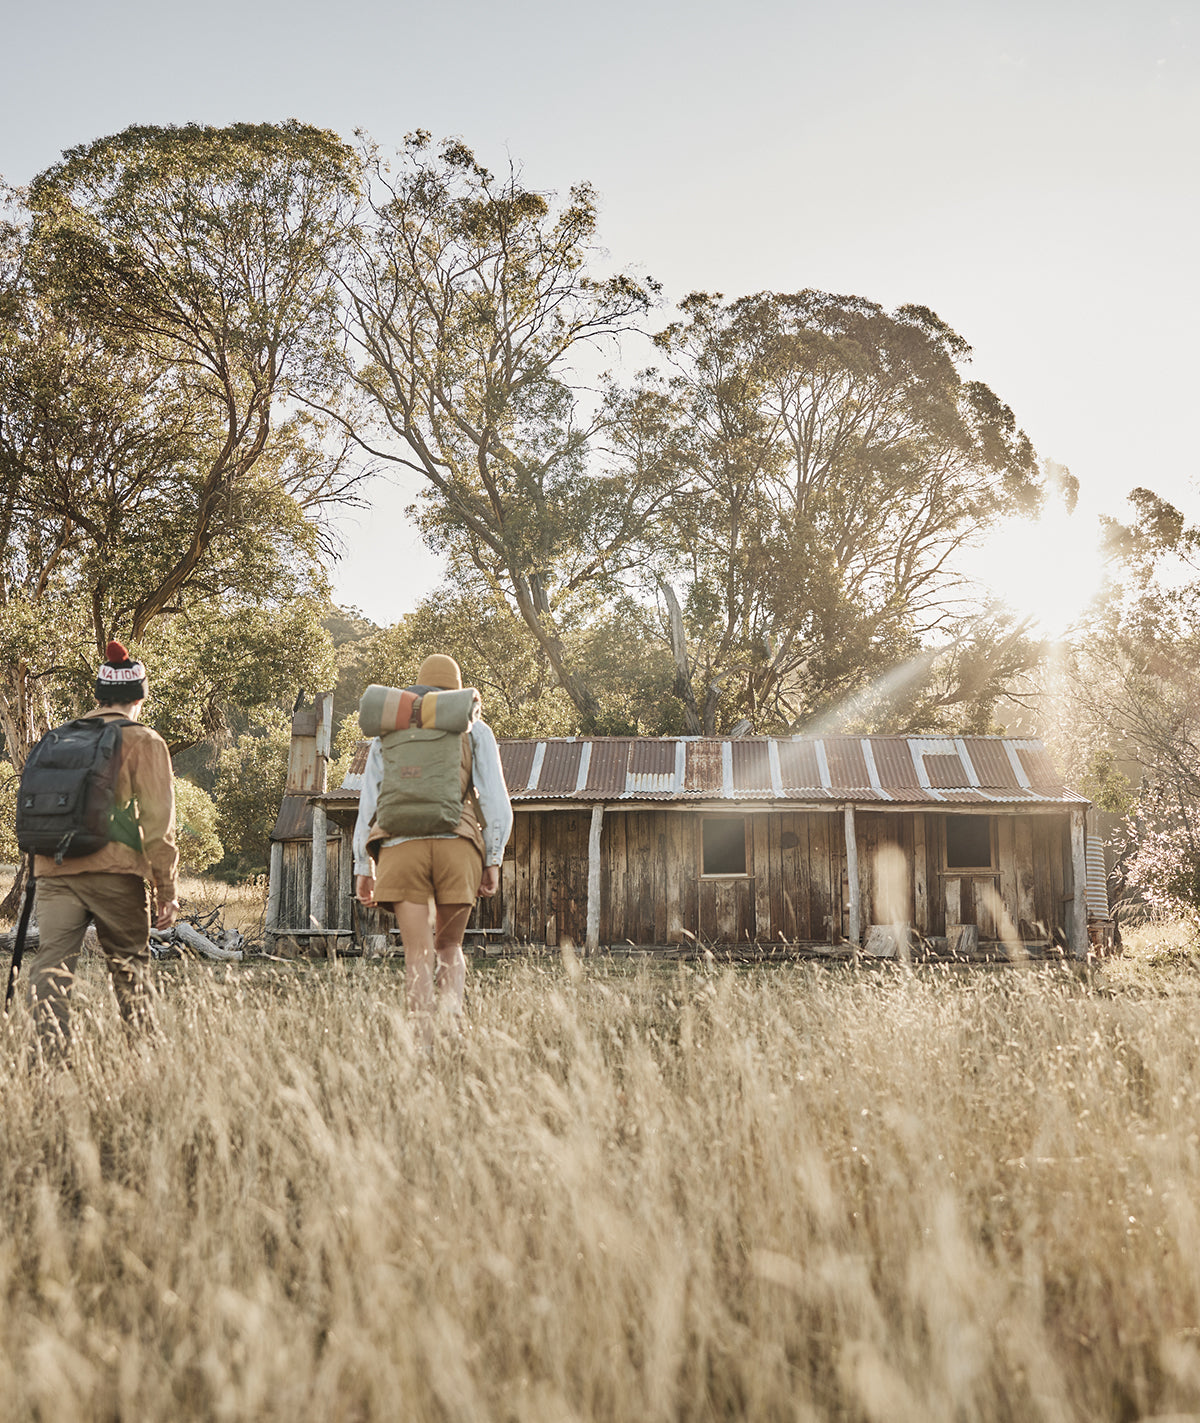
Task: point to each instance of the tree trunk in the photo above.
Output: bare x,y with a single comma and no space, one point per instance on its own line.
10,905
678,640
533,611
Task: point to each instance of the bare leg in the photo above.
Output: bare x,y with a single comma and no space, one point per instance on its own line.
415,922
451,966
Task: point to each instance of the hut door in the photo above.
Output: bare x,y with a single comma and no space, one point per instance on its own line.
726,911
726,880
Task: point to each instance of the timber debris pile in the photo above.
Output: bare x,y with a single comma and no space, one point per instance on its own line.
200,934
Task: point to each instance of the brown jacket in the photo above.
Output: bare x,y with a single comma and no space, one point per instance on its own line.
144,775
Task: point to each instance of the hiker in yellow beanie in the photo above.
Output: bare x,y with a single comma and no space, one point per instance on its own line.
433,819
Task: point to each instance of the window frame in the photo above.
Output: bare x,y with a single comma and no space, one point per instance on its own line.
967,869
748,871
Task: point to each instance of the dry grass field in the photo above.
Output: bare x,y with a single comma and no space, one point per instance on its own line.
626,1193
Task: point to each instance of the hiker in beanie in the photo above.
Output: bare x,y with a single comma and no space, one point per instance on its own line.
111,887
431,883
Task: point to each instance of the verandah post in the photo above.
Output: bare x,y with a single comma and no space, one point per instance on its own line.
593,889
852,878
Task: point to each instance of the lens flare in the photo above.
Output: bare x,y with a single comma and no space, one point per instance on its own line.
1047,569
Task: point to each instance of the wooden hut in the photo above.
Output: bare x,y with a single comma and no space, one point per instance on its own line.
311,881
808,842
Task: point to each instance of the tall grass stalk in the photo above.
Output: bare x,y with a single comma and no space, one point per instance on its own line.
688,1194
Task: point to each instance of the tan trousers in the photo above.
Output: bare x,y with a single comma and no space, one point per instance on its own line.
119,906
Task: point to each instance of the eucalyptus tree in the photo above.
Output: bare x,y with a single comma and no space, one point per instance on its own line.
1129,719
838,465
169,293
471,302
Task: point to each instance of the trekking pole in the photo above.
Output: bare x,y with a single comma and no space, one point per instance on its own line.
19,942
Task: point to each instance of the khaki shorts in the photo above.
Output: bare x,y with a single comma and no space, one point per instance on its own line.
416,871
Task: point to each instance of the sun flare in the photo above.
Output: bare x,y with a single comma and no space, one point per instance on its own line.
1048,569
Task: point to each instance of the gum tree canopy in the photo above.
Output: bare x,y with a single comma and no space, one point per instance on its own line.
835,463
793,491
168,293
470,300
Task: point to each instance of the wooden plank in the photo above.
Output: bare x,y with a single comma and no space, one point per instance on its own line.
864,838
983,890
1048,870
853,891
1078,929
908,825
760,868
537,882
793,873
920,856
800,918
678,863
744,897
520,844
825,909
275,886
726,911
952,899
706,911
592,935
618,899
658,871
506,893
935,846
1007,864
573,919
691,875
639,870
319,860
1027,908
342,874
776,929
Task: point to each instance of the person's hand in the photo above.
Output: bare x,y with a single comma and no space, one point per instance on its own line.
166,914
364,888
490,882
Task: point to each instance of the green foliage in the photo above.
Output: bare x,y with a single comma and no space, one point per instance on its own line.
1106,785
165,289
492,646
252,657
470,296
1161,859
835,460
9,851
249,785
1129,701
196,827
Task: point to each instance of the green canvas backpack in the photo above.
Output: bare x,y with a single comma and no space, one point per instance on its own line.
421,731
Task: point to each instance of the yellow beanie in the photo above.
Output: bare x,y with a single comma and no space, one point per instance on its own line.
439,671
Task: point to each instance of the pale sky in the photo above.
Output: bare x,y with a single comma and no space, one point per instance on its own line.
1028,170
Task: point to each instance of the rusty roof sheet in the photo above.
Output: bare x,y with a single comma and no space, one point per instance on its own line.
294,821
912,770
975,770
516,757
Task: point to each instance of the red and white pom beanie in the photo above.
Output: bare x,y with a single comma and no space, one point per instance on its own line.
119,674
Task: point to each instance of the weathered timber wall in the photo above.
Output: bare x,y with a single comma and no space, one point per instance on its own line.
651,888
296,870
794,890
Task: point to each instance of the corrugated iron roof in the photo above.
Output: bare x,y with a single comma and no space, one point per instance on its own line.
913,770
294,821
973,770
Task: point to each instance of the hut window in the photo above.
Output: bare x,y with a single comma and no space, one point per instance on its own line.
724,845
968,842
